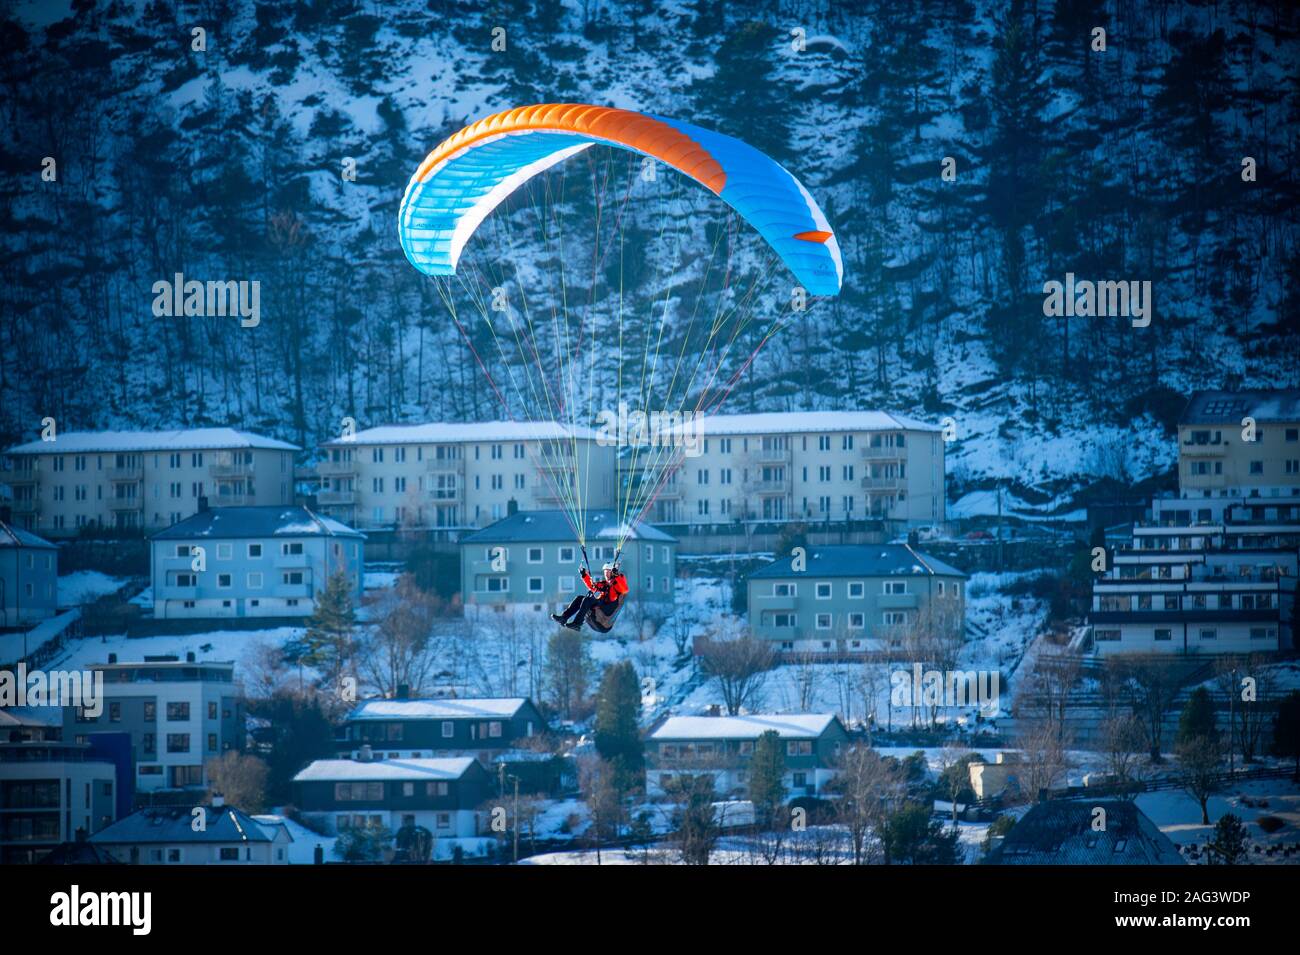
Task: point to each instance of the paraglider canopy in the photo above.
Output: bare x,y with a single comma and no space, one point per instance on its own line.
473,171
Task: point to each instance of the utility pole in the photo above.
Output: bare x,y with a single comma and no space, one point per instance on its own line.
1232,723
516,827
1000,565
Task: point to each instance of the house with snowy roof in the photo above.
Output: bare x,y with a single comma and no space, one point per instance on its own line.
722,747
445,796
427,728
169,835
251,562
854,599
29,577
142,480
456,475
529,563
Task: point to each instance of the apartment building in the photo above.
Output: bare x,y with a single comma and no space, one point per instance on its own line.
1186,587
445,796
722,747
141,480
179,714
1213,569
855,599
166,835
461,475
1215,459
529,562
803,466
48,791
29,577
251,562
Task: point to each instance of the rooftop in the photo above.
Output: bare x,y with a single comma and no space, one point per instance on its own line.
1059,832
451,432
386,770
240,522
524,526
486,708
225,824
186,439
868,560
11,536
787,726
778,422
1229,407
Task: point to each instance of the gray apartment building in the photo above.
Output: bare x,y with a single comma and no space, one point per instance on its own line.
722,747
529,563
29,577
179,714
251,562
49,790
141,480
854,599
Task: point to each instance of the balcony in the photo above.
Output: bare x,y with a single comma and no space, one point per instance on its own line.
327,498
1212,450
26,506
292,590
898,601
775,602
445,465
233,500
127,473
293,560
771,455
894,483
228,470
670,492
485,567
447,495
336,468
125,503
884,453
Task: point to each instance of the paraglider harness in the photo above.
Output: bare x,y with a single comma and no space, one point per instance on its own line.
601,617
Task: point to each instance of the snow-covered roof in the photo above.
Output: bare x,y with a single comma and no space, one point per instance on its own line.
779,422
262,521
787,726
451,432
224,824
524,526
858,560
1229,407
185,439
384,770
502,708
11,536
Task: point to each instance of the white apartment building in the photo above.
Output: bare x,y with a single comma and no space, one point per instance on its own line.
143,480
447,475
1219,456
805,466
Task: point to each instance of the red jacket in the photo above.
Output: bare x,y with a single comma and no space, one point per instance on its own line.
608,590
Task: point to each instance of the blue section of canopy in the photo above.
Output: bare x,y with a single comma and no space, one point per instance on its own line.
438,215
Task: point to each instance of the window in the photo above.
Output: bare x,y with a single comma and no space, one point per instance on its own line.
1163,634
290,548
823,621
435,789
212,742
894,618
798,747
212,711
448,729
534,585
178,742
255,580
895,586
223,581
224,551
254,551
115,712
1209,633
444,820
567,583
178,711
857,590
230,854
534,555
150,712
857,621
784,589
496,585
823,590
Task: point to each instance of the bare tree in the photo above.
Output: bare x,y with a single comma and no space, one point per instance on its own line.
239,778
953,759
399,650
1248,687
1200,759
740,666
1047,688
1043,755
1122,741
869,789
1151,685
